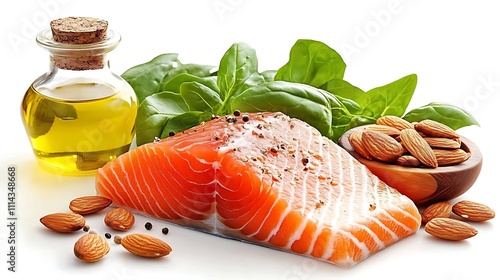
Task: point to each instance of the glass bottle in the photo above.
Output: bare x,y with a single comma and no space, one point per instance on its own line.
79,115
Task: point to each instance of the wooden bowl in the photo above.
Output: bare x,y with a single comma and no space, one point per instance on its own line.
425,185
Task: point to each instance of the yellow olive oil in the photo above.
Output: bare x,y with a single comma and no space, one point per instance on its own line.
78,127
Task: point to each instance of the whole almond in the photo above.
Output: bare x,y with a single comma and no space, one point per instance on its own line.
63,222
408,160
119,219
91,247
89,204
389,130
442,143
450,229
381,146
450,157
473,211
437,210
418,147
357,144
145,245
436,129
394,121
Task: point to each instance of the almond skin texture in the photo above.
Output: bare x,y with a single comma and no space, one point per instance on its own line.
381,146
119,219
436,210
436,129
394,121
442,143
473,211
418,147
450,229
357,144
450,157
389,130
145,245
91,247
86,205
407,160
63,222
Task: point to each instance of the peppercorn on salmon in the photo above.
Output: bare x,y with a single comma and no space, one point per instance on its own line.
264,178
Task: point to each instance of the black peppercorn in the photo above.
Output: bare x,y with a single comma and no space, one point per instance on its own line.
245,118
164,230
236,113
171,133
107,235
148,226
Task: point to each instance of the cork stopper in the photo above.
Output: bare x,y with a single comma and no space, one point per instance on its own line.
79,31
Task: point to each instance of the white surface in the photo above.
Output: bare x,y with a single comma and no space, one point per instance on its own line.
453,46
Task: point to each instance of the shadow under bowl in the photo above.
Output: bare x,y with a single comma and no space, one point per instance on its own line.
424,185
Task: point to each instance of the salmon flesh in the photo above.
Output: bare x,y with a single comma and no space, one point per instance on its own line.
264,178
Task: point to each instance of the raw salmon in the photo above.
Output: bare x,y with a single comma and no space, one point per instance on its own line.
265,178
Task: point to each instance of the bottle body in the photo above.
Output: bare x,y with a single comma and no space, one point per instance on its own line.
74,135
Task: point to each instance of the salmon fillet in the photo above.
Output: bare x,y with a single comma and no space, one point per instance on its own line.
271,180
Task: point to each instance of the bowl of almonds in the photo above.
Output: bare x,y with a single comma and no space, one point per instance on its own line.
427,161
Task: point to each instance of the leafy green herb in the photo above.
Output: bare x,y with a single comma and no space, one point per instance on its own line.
448,114
145,78
310,87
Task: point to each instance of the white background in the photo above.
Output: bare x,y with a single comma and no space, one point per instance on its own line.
453,47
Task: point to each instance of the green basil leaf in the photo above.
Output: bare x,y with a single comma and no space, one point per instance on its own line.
154,113
198,70
342,88
300,101
313,63
448,114
174,84
199,97
390,99
269,75
236,66
184,121
145,78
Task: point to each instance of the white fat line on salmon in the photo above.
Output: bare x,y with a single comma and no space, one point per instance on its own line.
306,175
361,245
165,192
325,209
273,232
120,184
376,181
385,228
151,160
354,188
340,185
398,208
128,174
395,208
317,193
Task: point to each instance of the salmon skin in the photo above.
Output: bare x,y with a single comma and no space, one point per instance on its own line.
265,178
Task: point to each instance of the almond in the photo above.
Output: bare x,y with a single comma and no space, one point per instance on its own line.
119,219
89,204
381,146
437,210
145,245
416,146
436,129
357,144
394,121
450,229
63,222
389,130
91,247
450,157
408,160
473,211
442,143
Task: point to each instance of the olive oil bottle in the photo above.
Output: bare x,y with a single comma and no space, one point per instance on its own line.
79,115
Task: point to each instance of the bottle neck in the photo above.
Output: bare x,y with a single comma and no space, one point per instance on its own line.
78,60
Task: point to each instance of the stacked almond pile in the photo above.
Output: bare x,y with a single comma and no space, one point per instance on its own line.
423,144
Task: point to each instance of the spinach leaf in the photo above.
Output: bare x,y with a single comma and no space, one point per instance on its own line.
313,63
145,78
342,88
269,75
199,97
389,99
198,70
154,113
184,121
300,101
174,84
448,114
236,66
